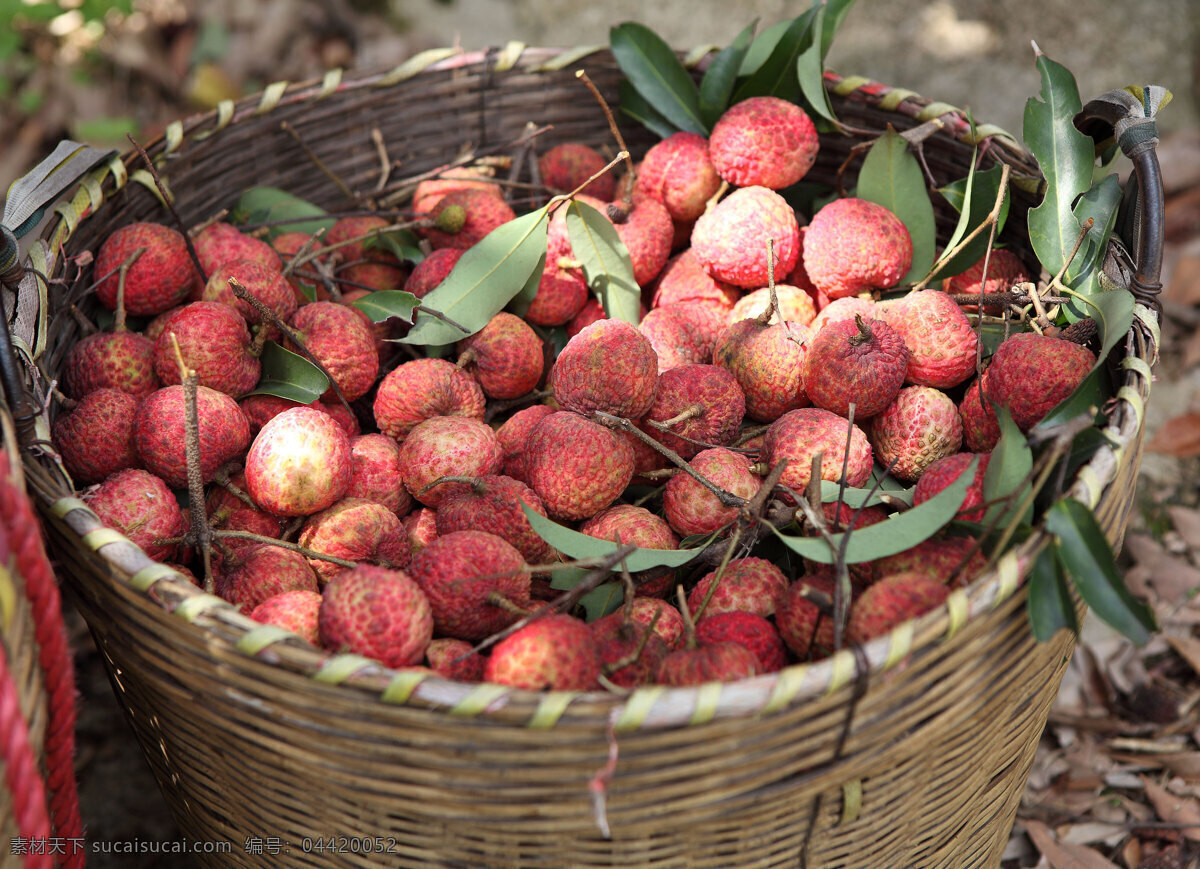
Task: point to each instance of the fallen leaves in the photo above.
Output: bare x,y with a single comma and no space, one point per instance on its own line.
1178,436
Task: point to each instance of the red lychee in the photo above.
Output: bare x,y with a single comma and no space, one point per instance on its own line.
945,559
647,233
981,428
891,602
214,342
918,428
161,278
337,336
690,508
799,435
363,261
805,628
746,629
110,360
141,506
295,611
793,304
556,652
730,240
513,436
1004,270
158,430
299,463
354,530
228,512
345,418
95,439
454,659
564,167
939,337
262,572
480,213
843,309
765,141
261,408
429,192
447,446
375,472
420,528
854,246
666,620
684,280
699,402
768,363
610,367
941,473
505,356
751,584
220,243
493,504
717,662
376,612
266,284
306,287
859,362
683,333
1030,374
423,388
465,575
431,271
576,466
561,293
636,526
629,651
680,174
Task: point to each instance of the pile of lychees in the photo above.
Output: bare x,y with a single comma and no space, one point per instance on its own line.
397,496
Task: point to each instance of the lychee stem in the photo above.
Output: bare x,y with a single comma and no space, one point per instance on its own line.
716,197
205,224
636,655
495,408
467,357
475,483
864,332
690,412
689,625
734,539
773,304
284,544
305,249
119,313
222,478
86,326
195,482
627,199
169,202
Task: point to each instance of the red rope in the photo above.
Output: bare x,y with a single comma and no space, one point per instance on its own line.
16,514
21,775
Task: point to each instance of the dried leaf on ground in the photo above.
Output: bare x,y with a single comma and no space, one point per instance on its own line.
1175,809
1185,519
1064,855
1174,579
1179,436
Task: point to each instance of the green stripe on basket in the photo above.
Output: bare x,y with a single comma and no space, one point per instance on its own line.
843,670
788,683
152,573
936,110
895,97
1090,481
172,136
480,698
637,707
257,639
1150,322
1009,571
416,64
551,708
402,686
141,176
120,176
70,214
1131,395
63,506
225,110
8,598
1141,366
271,96
568,58
98,537
900,645
193,607
851,801
850,84
698,54
339,668
95,192
331,82
508,56
958,605
708,698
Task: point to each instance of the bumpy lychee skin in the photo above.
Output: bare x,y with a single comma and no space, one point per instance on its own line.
420,528
431,271
768,363
730,240
938,335
430,192
505,356
679,173
493,504
447,446
261,408
844,309
636,526
690,508
461,572
666,619
560,295
514,434
161,277
854,246
647,233
576,466
746,629
716,662
299,463
709,399
141,506
610,367
304,289
1032,373
95,439
338,337
421,389
214,342
482,213
228,512
799,435
110,360
355,530
619,641
763,141
752,585
158,430
940,474
364,261
806,630
914,431
793,304
683,333
1004,269
859,362
556,652
592,311
892,601
266,284
453,659
376,612
684,280
375,472
981,428
220,243
564,167
295,611
949,560
262,572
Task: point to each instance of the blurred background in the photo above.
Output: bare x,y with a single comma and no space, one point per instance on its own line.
97,71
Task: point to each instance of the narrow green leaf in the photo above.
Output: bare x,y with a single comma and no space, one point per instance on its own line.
657,74
810,71
1088,397
384,304
636,107
606,264
835,11
1087,557
603,599
521,301
762,47
984,187
721,75
776,77
855,498
576,545
289,375
483,281
1008,470
280,210
1100,204
900,532
964,214
1050,606
1066,157
892,177
400,243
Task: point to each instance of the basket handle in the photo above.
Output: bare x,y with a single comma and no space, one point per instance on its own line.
1127,115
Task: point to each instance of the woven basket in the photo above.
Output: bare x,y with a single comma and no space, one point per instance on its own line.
912,751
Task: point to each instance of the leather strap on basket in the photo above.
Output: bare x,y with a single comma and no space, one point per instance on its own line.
18,517
1127,116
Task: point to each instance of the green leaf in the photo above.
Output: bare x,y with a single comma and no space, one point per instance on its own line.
900,532
603,599
280,210
656,73
521,301
576,545
984,188
892,177
606,264
1086,556
835,11
855,498
776,76
403,244
483,281
635,106
1066,157
1100,204
810,71
762,47
384,304
289,375
1050,605
721,75
1008,470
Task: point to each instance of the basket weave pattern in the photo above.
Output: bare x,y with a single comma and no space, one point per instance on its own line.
912,753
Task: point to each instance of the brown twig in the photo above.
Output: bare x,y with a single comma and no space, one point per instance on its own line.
170,206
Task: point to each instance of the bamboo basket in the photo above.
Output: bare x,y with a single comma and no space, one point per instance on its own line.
910,751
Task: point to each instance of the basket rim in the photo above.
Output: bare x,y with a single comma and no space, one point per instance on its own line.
649,707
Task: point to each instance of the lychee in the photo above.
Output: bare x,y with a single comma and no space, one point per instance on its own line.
266,284
556,652
295,611
679,173
746,629
805,627
768,363
305,285
854,246
337,336
891,602
730,240
158,431
716,662
220,243
576,466
261,408
513,435
430,192
505,356
354,530
565,166
493,503
299,463
95,438
160,278
454,659
423,388
480,213
800,434
918,428
683,334
940,339
264,571
1030,374
765,141
363,261
110,360
636,526
981,428
375,472
700,403
561,294
941,473
859,362
750,584
420,528
793,304
647,233
666,620
843,309
610,367
376,612
429,273
228,512
945,559
213,339
1004,270
630,651
690,508
141,506
684,280
447,446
